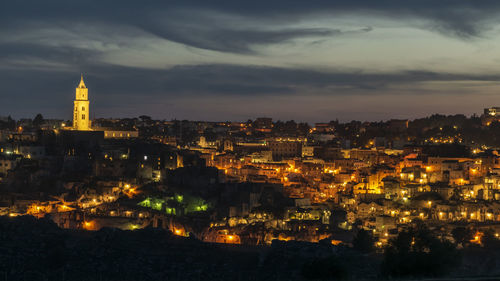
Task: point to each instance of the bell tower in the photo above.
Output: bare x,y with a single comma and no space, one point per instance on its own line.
81,116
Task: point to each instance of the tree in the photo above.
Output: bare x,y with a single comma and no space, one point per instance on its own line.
38,120
145,118
416,252
490,240
363,241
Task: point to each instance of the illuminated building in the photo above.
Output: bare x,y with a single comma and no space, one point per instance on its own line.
492,111
285,148
490,115
81,117
123,134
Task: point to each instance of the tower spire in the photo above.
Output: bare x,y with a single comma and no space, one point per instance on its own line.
82,84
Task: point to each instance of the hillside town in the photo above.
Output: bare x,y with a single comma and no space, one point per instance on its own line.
256,181
337,200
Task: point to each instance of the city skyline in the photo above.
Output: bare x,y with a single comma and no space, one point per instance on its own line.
319,61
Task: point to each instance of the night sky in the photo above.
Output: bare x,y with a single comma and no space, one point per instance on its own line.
235,60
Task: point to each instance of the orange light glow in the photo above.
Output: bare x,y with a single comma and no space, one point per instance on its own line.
336,242
130,192
178,231
230,239
35,209
282,237
89,225
477,238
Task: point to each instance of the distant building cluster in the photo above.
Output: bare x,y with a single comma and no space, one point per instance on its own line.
256,181
491,115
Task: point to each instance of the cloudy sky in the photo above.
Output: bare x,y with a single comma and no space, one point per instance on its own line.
314,60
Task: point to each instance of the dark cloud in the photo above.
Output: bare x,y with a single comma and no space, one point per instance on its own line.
196,27
220,80
218,91
30,52
235,41
211,76
237,26
18,61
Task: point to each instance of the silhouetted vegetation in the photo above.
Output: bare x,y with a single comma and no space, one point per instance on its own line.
38,120
416,253
364,241
490,241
